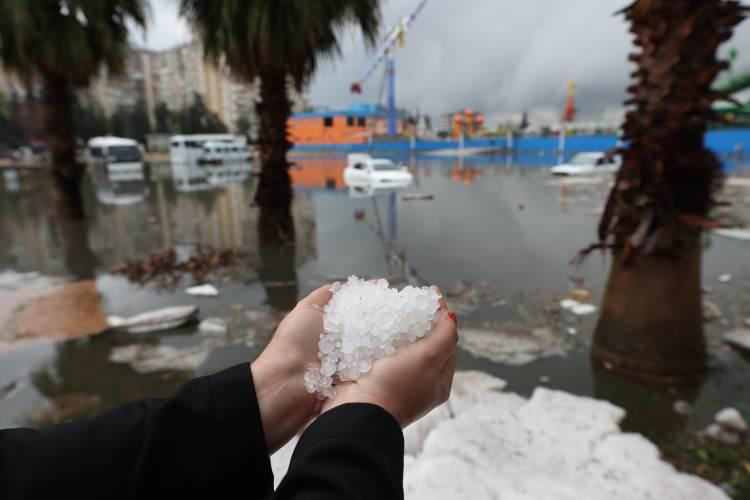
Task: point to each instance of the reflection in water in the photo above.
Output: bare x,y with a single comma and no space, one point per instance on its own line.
278,274
119,184
80,260
83,367
650,408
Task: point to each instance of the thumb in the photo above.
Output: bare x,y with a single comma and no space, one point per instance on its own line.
440,343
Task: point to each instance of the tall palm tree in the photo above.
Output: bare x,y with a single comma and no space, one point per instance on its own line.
277,42
65,44
651,323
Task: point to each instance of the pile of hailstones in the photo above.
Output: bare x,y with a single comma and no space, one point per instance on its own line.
363,322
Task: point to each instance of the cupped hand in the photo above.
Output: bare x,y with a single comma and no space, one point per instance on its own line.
278,373
414,380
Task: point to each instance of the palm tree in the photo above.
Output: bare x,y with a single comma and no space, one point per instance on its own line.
65,44
651,323
278,42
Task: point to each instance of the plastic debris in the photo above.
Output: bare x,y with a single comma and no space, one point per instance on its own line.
725,278
363,322
577,308
166,318
213,326
206,290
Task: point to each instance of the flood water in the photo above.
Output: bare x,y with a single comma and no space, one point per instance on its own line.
495,236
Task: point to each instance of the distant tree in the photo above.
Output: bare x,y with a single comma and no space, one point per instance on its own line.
90,119
277,42
65,44
198,119
140,126
243,125
164,119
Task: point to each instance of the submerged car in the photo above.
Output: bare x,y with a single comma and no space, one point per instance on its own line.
364,169
588,164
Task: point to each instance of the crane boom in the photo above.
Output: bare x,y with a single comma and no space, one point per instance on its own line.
396,33
385,52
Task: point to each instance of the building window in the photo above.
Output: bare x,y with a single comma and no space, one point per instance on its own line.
361,122
349,121
328,121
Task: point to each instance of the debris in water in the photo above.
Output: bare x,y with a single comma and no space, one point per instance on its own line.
216,326
725,278
417,197
544,379
682,408
206,290
577,308
165,268
711,311
66,407
7,389
365,321
580,294
359,215
572,331
166,318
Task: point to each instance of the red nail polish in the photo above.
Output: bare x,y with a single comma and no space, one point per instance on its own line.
452,316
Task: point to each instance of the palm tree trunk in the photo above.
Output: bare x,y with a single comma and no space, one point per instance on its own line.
651,323
60,135
274,193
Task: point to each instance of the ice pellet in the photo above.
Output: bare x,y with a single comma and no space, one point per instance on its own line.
363,322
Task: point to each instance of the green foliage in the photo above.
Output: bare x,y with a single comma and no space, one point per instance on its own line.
72,40
194,119
243,125
716,462
90,119
131,123
283,36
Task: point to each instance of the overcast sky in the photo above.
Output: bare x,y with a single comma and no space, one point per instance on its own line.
498,56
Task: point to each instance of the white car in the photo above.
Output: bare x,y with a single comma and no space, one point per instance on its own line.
588,164
364,169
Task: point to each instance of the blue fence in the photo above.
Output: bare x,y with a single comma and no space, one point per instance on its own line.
733,141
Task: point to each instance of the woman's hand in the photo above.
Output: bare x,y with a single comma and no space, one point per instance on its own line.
278,373
414,380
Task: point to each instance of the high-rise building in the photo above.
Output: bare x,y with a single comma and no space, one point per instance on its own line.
172,76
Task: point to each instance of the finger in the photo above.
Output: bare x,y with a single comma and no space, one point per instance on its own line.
441,342
442,304
318,298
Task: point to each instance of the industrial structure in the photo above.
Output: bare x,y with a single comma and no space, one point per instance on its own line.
386,52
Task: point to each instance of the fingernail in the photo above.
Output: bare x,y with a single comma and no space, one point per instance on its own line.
452,316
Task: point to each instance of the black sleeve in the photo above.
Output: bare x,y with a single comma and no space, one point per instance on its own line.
206,440
355,451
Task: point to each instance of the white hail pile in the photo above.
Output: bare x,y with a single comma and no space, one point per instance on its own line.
363,322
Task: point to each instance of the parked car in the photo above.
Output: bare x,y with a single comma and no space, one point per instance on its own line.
588,164
364,169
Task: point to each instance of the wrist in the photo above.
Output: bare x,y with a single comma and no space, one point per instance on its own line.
284,403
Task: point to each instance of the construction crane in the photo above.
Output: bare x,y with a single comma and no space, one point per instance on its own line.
386,52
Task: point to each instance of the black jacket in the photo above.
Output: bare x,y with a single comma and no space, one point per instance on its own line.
204,442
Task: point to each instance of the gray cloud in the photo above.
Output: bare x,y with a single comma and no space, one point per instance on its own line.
494,55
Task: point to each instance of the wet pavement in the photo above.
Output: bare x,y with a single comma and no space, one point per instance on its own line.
496,237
